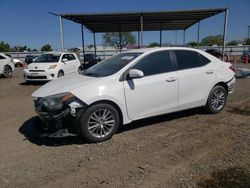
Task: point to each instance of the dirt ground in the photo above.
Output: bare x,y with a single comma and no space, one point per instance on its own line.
184,149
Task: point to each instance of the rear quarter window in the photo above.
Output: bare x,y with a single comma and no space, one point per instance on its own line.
1,57
190,59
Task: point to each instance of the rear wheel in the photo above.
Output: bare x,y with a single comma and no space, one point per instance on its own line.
99,122
79,69
7,71
216,100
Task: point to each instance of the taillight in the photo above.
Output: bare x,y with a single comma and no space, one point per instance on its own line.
232,68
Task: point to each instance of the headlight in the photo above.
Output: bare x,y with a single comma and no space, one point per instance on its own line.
52,66
55,102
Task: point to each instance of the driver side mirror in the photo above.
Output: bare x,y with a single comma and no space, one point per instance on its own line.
64,60
135,73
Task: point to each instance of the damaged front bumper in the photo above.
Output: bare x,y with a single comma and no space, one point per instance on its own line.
59,116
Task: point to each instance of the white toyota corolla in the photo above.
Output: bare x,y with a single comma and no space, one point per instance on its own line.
133,85
49,66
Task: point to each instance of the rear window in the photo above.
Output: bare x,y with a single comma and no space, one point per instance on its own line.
190,59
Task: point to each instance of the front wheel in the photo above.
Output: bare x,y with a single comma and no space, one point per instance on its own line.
60,74
99,122
7,71
216,100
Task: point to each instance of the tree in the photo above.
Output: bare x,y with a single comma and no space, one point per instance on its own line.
212,40
4,47
113,39
46,47
20,48
153,44
90,46
234,42
192,44
247,41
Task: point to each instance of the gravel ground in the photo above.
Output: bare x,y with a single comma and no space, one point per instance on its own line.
184,149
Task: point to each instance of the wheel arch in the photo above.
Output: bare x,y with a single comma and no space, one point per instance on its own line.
112,104
223,84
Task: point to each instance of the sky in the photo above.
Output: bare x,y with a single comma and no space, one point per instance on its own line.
27,22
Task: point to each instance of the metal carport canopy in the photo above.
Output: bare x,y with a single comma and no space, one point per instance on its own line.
131,21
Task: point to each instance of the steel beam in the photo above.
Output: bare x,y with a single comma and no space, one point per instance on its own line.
224,34
94,44
141,21
198,34
61,31
83,46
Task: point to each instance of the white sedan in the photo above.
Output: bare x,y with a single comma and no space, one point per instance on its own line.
134,85
6,65
49,66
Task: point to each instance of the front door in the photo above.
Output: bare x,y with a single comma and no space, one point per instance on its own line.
157,92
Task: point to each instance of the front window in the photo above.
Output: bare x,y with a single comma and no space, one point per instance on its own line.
47,58
111,65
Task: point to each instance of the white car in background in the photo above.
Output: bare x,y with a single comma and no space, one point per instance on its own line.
49,66
16,62
134,85
6,65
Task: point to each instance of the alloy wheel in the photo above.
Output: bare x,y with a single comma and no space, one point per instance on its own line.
101,123
218,99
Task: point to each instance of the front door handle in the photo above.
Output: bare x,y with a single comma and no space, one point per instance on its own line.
209,71
171,79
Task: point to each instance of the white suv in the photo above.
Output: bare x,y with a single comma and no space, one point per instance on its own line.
134,85
49,66
6,65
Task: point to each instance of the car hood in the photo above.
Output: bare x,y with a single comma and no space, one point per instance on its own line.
64,84
39,66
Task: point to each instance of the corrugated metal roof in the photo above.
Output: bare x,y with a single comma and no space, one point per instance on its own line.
152,21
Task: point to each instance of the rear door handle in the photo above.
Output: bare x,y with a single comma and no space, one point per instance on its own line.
171,79
209,71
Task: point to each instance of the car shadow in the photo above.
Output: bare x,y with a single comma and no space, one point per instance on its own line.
34,83
159,119
29,131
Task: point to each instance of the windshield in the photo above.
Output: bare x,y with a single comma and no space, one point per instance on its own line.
48,58
111,65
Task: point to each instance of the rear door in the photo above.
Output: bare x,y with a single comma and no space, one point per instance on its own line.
197,76
155,93
74,65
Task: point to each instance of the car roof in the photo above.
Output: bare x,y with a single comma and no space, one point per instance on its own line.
144,50
58,53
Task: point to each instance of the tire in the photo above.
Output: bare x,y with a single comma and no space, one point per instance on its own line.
92,123
216,100
60,74
79,69
7,71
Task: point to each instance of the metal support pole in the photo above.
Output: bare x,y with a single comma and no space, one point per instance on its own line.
120,39
198,35
141,30
83,50
138,39
184,37
224,34
61,30
94,44
175,37
248,32
160,34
